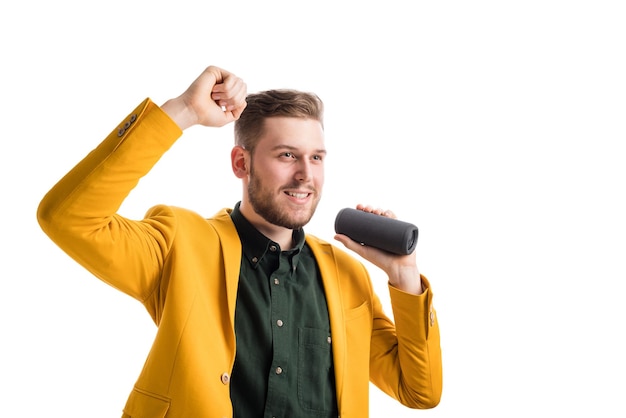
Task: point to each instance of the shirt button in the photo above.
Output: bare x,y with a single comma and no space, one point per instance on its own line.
254,259
273,248
329,340
279,370
225,378
279,323
276,281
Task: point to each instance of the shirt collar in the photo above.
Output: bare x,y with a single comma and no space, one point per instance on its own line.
255,245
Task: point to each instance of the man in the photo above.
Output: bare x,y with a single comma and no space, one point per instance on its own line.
254,318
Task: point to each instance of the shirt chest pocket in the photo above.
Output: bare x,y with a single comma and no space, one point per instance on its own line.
316,379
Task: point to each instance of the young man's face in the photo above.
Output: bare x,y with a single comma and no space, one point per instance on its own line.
287,171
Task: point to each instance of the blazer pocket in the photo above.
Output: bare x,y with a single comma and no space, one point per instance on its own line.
358,340
142,404
357,312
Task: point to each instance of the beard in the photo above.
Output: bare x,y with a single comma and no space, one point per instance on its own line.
264,203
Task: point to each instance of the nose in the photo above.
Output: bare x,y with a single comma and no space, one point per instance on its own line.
304,171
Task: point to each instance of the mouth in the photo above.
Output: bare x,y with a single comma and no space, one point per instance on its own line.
298,195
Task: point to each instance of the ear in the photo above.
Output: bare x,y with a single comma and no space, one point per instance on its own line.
239,159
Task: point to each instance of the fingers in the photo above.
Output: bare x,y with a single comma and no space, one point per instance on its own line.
378,211
230,92
215,98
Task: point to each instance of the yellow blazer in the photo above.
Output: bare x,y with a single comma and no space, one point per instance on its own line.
184,269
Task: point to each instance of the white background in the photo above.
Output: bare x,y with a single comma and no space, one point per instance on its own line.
498,127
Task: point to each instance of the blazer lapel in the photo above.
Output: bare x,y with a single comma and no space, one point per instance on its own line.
231,247
324,254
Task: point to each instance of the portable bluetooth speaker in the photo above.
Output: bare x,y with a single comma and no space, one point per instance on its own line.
377,231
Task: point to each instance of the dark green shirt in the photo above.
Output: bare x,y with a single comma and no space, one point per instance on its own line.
283,365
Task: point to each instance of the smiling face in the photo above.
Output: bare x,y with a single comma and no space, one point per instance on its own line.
285,173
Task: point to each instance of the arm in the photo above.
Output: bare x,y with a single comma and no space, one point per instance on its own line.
405,359
80,212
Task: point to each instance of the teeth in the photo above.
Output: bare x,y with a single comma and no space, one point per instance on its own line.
298,195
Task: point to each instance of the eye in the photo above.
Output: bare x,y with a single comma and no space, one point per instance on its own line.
288,154
318,157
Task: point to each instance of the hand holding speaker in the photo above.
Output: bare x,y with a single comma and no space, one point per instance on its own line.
378,231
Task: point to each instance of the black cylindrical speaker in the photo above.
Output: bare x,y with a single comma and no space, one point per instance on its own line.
377,231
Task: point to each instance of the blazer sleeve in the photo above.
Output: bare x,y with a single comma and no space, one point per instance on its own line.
405,361
80,212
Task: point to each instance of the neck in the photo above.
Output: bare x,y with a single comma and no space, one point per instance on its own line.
283,236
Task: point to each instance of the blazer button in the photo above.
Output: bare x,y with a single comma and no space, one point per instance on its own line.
225,378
